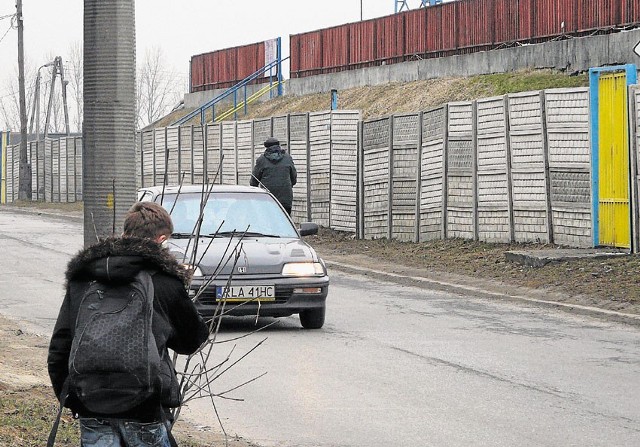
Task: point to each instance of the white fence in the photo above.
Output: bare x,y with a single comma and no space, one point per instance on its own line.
508,168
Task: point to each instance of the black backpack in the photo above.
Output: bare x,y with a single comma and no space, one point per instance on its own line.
114,362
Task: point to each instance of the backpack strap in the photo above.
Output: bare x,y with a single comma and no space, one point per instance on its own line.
168,425
63,398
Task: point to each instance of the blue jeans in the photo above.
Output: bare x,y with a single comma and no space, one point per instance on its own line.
122,433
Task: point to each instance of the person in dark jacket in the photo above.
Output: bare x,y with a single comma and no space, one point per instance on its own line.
176,324
275,170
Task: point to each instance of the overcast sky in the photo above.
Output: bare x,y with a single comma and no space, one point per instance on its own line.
180,28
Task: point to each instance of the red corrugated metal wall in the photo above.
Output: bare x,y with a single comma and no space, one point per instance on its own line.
457,27
415,32
506,21
197,72
338,40
362,43
225,68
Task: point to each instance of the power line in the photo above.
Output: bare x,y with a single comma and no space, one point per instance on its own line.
11,26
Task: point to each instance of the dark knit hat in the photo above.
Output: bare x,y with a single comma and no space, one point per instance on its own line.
271,142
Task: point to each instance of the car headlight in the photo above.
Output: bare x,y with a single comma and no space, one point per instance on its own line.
303,269
194,269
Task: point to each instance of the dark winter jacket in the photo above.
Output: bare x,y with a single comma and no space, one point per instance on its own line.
176,323
276,171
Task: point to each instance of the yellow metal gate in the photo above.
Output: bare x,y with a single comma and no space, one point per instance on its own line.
613,168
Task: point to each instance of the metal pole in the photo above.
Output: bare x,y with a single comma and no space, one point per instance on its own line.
36,88
54,73
64,98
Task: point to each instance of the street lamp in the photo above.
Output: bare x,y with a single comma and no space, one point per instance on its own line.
35,110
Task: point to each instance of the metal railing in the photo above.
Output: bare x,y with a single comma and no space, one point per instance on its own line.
233,92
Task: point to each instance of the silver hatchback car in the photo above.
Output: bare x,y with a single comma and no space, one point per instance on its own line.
247,256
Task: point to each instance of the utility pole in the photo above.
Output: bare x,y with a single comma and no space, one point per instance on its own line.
24,180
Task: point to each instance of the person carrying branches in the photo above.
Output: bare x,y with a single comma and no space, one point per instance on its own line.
125,305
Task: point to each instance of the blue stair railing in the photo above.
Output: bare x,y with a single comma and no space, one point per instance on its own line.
233,91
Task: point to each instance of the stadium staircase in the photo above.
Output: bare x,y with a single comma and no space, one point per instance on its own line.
238,93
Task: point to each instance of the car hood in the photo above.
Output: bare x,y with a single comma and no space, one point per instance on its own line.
256,256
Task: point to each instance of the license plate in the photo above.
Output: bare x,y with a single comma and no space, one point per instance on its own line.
246,293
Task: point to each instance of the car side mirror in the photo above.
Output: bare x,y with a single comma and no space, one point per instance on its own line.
308,228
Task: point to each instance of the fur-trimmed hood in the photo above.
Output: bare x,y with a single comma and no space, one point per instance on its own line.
120,259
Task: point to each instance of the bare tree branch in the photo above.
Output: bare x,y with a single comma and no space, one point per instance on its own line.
159,87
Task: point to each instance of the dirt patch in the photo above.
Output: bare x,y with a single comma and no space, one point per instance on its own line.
612,284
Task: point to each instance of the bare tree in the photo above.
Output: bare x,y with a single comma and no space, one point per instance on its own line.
158,87
73,73
10,99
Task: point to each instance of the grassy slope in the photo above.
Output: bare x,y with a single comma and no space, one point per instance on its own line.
403,97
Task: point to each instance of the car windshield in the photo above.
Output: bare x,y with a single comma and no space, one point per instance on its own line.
257,214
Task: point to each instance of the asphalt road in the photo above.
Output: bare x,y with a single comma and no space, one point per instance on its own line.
393,366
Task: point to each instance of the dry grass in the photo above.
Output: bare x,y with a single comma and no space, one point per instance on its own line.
406,97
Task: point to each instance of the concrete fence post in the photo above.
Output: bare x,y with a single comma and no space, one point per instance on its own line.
547,176
416,237
633,157
445,174
507,130
360,183
390,181
474,167
308,154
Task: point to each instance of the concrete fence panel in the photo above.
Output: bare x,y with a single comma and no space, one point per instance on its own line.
79,172
173,155
320,166
299,151
245,152
433,203
461,168
404,175
185,159
12,173
229,152
493,188
33,147
529,170
281,130
344,170
262,129
63,170
48,170
212,153
567,113
376,144
139,161
198,150
147,154
160,142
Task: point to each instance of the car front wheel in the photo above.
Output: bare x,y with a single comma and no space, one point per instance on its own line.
313,318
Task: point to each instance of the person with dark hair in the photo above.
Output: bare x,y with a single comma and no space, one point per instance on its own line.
274,169
112,265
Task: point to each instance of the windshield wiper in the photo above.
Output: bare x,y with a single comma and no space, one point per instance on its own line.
181,235
241,233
